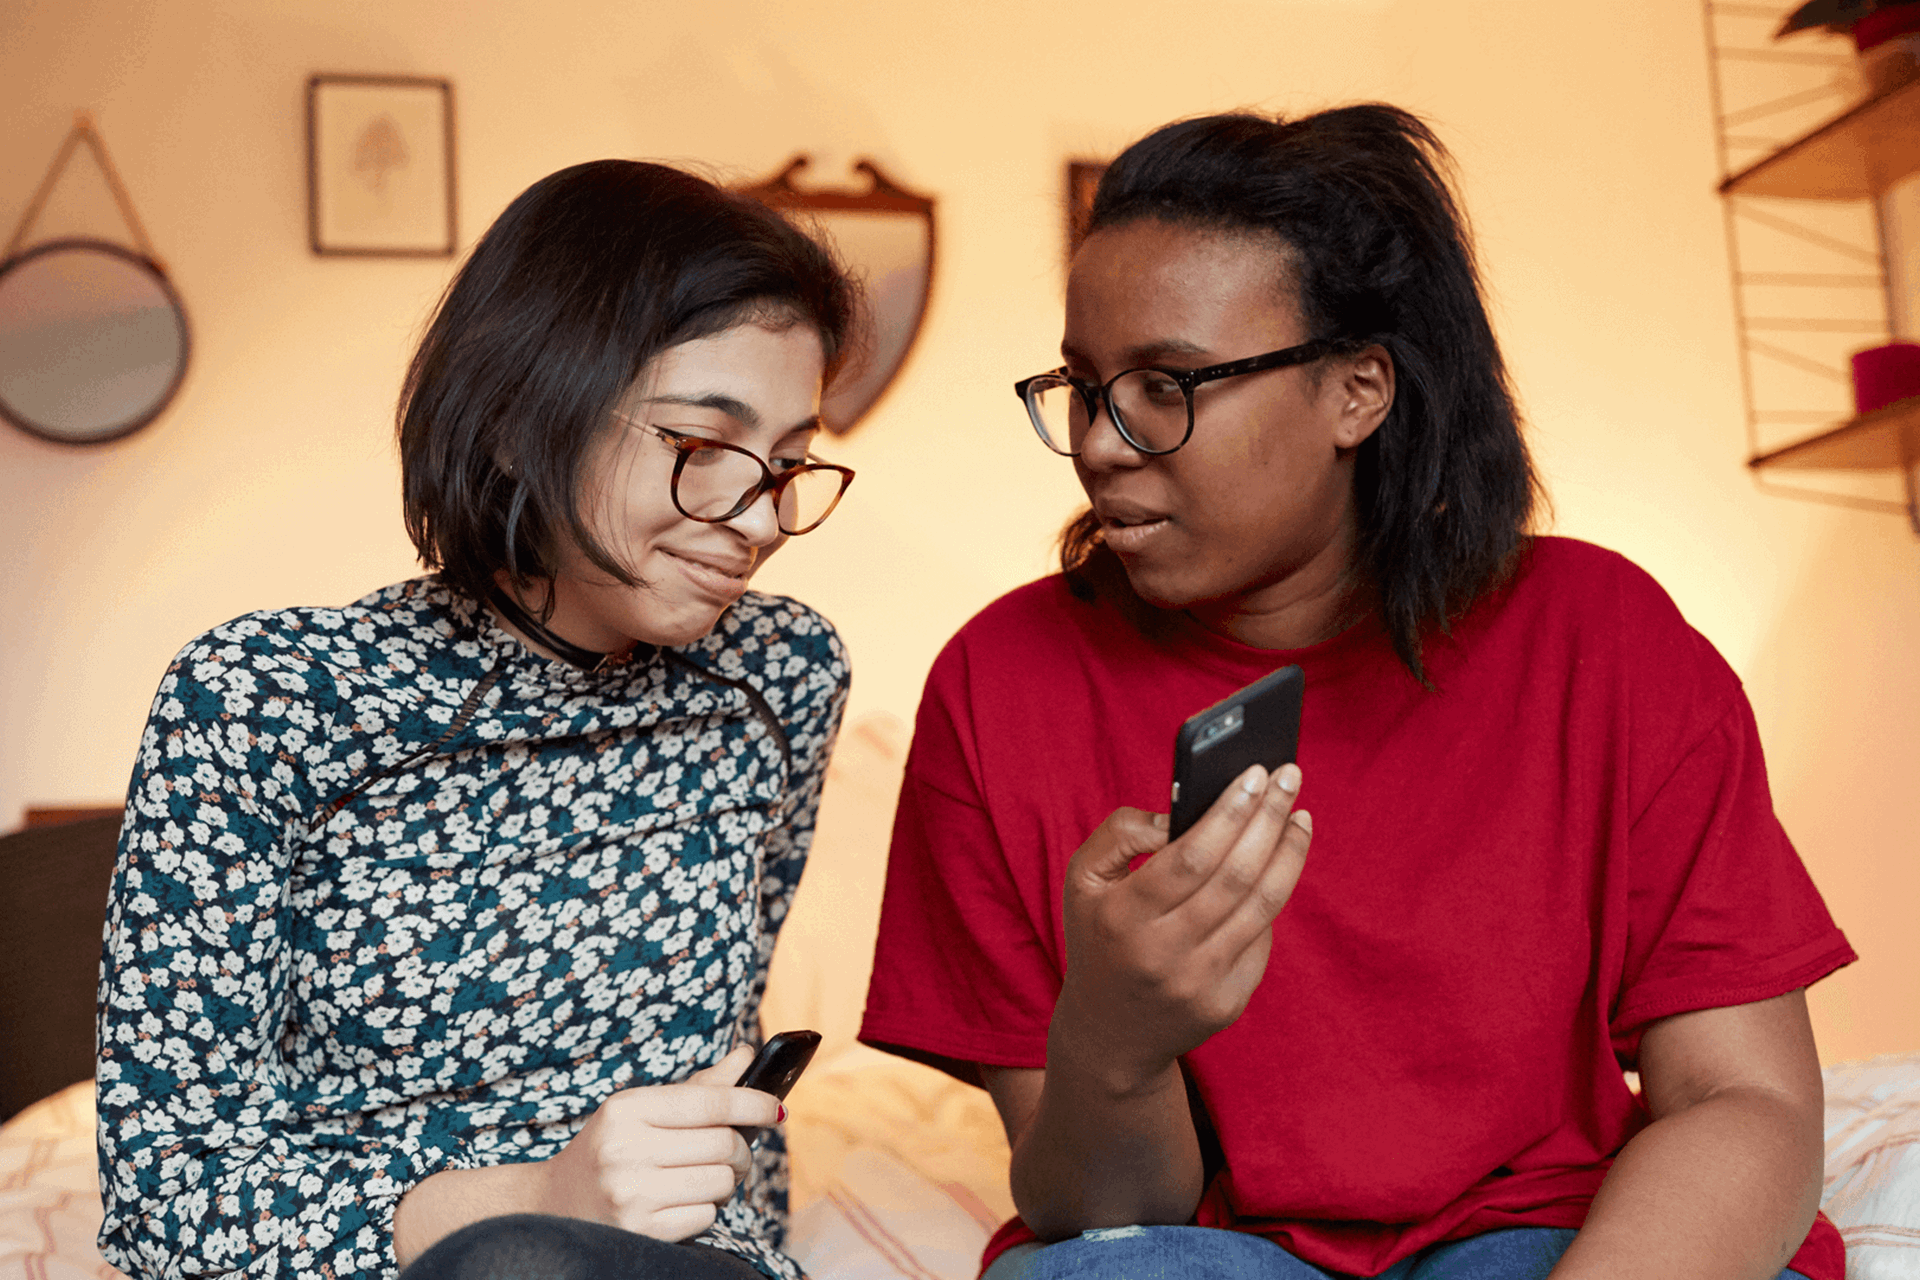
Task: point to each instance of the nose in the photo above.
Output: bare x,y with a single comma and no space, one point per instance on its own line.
1103,448
759,524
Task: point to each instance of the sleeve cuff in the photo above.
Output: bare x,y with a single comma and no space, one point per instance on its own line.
1653,999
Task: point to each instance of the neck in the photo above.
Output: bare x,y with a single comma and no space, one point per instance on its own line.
1313,602
520,621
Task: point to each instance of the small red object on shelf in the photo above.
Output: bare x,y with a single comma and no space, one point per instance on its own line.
1882,375
1883,25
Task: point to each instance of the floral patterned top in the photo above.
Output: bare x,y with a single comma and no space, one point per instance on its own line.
396,895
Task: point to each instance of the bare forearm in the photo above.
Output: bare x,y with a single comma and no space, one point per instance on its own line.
1104,1149
1723,1190
455,1198
1159,959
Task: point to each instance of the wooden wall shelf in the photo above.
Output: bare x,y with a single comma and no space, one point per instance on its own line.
1885,440
1855,156
1808,273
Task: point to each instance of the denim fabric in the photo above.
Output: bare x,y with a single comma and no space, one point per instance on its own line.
531,1246
1203,1253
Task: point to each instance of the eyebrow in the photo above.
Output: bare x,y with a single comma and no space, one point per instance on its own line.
733,407
1145,354
737,409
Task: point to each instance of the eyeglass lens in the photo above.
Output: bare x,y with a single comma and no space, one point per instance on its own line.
1150,407
717,483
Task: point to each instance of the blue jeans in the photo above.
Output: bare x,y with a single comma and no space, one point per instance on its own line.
1203,1253
532,1246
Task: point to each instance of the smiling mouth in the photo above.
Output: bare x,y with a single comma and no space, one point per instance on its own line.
730,571
731,578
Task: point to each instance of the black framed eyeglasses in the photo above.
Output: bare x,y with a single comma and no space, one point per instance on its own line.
1151,408
714,481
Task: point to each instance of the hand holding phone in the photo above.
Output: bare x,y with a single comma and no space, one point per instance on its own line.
1164,950
777,1067
1259,724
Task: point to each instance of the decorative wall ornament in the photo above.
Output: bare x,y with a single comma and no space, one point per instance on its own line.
1083,179
380,168
886,235
93,338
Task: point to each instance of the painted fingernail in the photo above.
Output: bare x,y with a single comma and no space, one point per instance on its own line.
782,1117
1288,778
1252,780
1305,820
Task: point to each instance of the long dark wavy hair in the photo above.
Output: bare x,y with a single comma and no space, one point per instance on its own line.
1444,488
588,275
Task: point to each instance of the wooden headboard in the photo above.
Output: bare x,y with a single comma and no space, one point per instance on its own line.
53,905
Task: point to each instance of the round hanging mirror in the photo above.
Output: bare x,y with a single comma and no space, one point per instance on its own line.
93,341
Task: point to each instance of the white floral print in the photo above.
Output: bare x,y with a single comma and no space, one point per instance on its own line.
396,895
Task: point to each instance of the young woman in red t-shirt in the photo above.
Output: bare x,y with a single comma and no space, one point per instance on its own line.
1286,405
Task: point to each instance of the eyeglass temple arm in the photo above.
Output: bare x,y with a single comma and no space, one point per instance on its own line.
1301,354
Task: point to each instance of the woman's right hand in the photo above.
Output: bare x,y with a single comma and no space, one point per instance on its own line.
661,1159
1161,958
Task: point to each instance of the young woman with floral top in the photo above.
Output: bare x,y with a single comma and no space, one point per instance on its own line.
441,920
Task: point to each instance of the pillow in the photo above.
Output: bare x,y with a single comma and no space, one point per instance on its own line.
819,973
898,1170
881,1219
947,1133
49,1197
1872,1189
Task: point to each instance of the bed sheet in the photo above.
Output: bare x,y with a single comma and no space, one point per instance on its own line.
900,1171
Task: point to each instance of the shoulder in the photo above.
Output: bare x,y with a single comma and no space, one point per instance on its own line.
1036,653
774,638
1603,597
1600,621
786,650
1571,568
1027,624
301,652
1046,604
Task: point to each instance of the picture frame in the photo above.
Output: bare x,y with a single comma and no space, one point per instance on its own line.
380,166
1083,179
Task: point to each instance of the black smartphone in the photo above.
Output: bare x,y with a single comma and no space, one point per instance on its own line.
1259,724
776,1067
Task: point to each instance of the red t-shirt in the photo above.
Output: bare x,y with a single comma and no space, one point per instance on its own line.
1510,878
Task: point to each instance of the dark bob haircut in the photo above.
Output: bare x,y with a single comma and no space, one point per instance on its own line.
1444,488
588,275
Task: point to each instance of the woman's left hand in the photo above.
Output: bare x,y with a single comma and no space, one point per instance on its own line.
658,1160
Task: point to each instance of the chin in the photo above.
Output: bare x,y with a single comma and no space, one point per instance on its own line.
1171,594
677,632
1162,591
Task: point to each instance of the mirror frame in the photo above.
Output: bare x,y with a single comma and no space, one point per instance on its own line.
122,431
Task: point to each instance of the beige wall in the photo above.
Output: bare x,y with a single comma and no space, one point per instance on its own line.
1584,138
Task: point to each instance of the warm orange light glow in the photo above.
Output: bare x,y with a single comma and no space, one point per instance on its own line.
1587,158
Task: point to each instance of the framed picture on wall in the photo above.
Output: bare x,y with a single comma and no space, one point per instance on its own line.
1083,179
380,166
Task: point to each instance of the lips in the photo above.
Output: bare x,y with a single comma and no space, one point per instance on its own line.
724,576
1129,527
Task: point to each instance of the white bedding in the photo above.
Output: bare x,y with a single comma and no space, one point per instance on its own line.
901,1172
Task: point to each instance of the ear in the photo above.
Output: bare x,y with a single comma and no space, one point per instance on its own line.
1363,387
